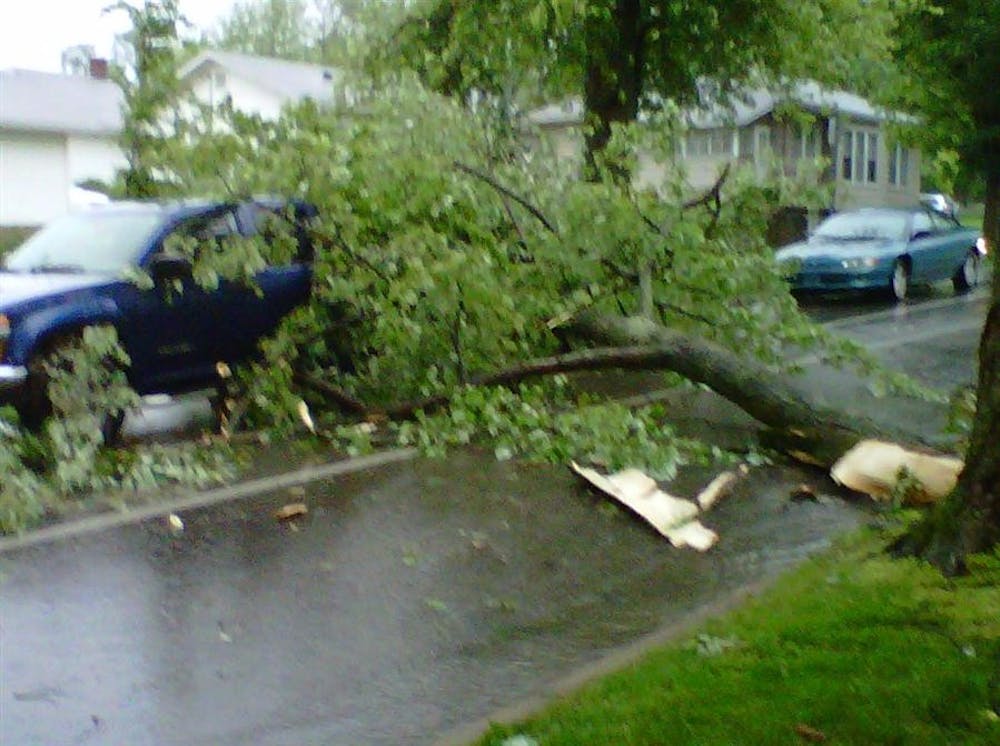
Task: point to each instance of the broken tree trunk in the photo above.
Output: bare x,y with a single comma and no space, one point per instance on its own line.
813,434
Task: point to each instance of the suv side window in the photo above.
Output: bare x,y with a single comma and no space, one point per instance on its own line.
212,227
269,222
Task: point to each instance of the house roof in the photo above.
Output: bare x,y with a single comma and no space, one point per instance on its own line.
290,81
741,111
758,102
35,101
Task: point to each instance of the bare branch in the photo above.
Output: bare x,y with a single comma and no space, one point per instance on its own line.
508,193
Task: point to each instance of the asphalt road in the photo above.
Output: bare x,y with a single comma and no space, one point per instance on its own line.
412,598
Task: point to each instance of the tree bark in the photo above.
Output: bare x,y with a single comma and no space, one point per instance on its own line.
968,521
810,433
613,76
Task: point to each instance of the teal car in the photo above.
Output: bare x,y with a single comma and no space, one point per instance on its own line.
885,249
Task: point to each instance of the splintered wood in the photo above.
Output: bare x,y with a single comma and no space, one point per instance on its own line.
673,517
874,468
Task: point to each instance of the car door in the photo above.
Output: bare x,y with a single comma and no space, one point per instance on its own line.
922,247
937,252
171,330
252,311
953,245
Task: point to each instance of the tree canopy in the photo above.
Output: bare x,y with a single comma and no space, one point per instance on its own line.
952,54
621,55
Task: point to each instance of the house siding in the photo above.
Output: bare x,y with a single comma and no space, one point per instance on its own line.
34,178
92,157
772,144
213,85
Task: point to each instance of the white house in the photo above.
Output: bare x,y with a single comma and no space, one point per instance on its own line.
865,166
258,85
55,131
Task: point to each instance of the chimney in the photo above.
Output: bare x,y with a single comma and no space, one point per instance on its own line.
98,68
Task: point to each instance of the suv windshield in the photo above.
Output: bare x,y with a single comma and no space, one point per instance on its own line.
858,226
101,242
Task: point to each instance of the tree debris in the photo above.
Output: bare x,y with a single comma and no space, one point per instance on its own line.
873,467
291,510
719,487
671,516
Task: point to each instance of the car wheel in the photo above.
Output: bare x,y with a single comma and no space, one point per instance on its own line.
35,406
968,274
899,286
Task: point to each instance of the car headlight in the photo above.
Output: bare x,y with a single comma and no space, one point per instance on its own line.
981,245
4,334
868,261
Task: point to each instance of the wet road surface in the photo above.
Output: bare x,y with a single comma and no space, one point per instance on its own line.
409,600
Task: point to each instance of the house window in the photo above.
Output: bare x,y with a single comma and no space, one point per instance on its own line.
710,142
698,143
809,142
762,143
859,157
899,165
871,173
847,161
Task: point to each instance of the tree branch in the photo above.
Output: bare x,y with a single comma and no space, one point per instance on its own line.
539,215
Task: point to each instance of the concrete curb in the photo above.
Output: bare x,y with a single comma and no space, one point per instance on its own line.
73,529
617,660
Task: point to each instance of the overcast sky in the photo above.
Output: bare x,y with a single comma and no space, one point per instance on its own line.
33,33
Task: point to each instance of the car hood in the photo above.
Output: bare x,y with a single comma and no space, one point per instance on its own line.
16,287
818,247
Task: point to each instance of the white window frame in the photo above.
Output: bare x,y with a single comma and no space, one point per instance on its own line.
899,166
855,142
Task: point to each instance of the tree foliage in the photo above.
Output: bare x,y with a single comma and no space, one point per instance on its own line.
271,28
951,51
321,31
149,87
623,55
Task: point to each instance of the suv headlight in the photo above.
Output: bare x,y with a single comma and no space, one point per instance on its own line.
4,334
868,261
981,245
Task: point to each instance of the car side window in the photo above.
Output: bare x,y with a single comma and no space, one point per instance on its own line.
207,232
271,223
212,228
942,223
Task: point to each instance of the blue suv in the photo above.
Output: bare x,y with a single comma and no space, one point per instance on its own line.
73,274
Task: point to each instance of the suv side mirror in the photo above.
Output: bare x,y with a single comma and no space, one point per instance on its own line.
169,267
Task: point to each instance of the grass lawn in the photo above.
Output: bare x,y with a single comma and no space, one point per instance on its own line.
853,648
971,216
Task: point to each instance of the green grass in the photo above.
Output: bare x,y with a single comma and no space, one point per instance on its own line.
859,647
971,216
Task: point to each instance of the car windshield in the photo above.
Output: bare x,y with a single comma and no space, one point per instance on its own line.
858,226
100,242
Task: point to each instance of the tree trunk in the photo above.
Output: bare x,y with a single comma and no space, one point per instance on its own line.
810,433
968,521
613,74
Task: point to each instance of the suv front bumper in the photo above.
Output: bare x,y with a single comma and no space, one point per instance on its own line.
12,378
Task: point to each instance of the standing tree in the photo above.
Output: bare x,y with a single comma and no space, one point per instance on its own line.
953,52
623,54
148,80
271,28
